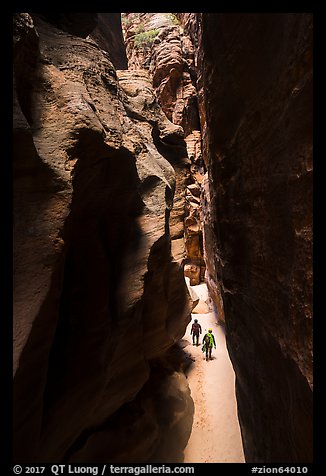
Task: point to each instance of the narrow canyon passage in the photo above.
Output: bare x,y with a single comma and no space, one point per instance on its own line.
215,436
156,154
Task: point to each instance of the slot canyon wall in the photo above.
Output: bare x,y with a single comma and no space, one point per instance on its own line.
99,300
247,81
198,156
257,76
160,43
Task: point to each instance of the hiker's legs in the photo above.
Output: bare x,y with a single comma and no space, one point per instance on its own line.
207,350
210,353
197,337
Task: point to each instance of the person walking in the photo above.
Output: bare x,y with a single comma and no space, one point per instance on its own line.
208,341
195,331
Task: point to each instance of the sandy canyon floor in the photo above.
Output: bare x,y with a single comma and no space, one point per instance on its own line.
215,436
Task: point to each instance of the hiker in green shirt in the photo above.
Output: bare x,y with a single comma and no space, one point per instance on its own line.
208,341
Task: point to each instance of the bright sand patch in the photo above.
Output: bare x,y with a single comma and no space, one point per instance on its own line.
215,436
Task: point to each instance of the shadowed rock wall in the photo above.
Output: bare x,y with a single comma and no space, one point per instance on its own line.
257,72
159,43
98,297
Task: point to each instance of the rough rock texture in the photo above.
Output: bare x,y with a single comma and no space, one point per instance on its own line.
78,24
108,36
211,256
104,28
167,138
158,42
41,196
192,28
258,97
157,422
98,297
194,264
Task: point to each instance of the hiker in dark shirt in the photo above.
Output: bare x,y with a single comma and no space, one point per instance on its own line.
195,331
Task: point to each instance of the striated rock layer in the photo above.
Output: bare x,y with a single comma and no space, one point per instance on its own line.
105,28
99,300
160,43
108,36
211,252
257,72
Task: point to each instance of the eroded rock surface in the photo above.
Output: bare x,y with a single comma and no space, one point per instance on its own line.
213,278
98,295
108,36
101,192
159,43
258,98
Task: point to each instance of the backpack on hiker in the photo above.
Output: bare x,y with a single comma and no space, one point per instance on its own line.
196,328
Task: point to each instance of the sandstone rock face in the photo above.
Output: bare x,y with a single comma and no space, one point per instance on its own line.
195,266
157,422
257,72
41,196
192,26
159,43
78,24
104,28
213,278
99,300
108,36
